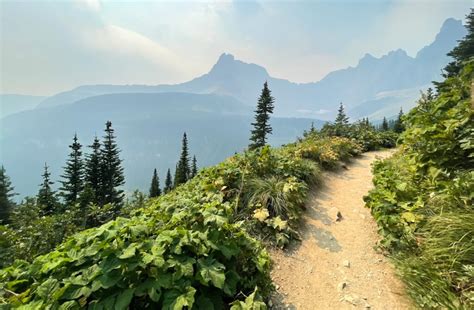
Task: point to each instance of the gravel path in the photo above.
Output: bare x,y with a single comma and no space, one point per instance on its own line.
335,265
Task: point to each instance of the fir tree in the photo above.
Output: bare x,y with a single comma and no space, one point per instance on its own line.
194,168
342,121
6,193
384,124
398,126
93,173
111,170
155,190
73,176
46,198
261,126
183,171
463,51
168,182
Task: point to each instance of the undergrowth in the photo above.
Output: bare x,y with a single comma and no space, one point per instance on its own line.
201,246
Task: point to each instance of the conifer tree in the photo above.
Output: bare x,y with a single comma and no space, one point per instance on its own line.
168,182
398,126
111,170
194,168
312,129
261,126
73,176
463,51
6,193
93,173
155,190
46,198
384,124
183,171
342,121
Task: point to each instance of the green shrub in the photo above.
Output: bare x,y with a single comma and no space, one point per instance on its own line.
424,196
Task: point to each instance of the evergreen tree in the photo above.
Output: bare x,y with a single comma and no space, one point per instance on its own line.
384,124
93,173
262,119
342,122
398,126
6,193
155,190
463,51
111,170
194,168
46,198
183,171
73,176
168,182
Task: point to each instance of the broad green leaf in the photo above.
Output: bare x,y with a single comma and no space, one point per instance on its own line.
124,299
129,251
212,271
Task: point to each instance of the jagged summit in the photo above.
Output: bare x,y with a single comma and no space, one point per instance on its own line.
227,64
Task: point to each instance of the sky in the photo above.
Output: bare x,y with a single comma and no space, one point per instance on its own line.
51,46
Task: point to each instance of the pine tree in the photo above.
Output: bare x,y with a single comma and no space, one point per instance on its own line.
93,173
384,124
261,126
398,126
6,193
183,171
155,190
463,51
111,170
342,122
194,168
168,182
46,198
73,176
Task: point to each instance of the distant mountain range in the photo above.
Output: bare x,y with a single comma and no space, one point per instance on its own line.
215,109
390,80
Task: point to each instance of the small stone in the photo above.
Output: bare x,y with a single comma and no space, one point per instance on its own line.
346,263
335,214
362,216
277,287
270,303
341,286
278,267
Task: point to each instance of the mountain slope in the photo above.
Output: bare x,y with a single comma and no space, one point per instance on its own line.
13,103
353,85
149,129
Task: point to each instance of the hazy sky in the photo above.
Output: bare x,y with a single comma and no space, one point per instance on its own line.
52,46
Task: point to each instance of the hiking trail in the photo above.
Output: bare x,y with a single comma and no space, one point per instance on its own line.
335,266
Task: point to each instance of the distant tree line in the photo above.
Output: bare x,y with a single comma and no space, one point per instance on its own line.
91,183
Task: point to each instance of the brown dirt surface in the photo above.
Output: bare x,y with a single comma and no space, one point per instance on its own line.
336,265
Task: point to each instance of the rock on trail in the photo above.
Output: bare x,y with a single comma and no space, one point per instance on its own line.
335,265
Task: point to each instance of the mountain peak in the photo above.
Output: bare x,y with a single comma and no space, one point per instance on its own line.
451,31
450,28
368,58
224,57
227,64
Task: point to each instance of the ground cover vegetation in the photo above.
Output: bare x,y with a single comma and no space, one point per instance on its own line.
424,195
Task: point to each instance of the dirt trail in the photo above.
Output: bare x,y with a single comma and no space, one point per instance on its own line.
335,265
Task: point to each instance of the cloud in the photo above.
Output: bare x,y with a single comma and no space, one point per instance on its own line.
116,40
